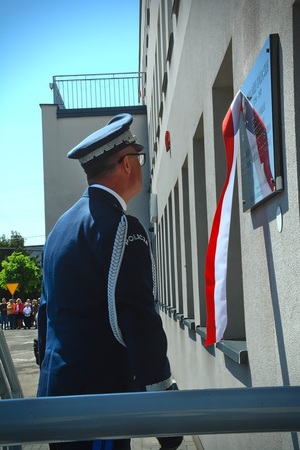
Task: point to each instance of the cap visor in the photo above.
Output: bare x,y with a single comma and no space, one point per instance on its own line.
138,147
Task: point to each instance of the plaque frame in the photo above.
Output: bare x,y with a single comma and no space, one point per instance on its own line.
262,90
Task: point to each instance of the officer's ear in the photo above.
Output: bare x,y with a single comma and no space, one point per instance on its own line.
126,164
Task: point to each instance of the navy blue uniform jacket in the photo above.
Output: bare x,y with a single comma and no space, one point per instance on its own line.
98,328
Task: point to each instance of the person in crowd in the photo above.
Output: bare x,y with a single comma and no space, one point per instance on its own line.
11,314
27,314
98,328
34,310
3,309
19,313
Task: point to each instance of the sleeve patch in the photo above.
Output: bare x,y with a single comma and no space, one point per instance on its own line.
136,237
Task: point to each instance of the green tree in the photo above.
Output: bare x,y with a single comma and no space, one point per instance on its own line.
20,268
13,244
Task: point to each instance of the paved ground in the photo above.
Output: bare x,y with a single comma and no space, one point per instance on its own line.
20,343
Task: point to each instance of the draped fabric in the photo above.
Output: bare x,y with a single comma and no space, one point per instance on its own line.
217,251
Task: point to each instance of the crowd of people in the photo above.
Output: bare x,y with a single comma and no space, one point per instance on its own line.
16,314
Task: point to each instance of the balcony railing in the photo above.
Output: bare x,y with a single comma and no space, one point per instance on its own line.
169,413
98,90
141,414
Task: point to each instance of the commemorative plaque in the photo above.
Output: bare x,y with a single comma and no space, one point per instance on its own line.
260,128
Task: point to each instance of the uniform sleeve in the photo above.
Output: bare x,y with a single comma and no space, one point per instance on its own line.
42,329
139,323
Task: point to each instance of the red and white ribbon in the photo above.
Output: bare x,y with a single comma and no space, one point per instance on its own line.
217,251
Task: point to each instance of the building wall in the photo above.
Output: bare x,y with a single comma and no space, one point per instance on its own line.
188,93
64,179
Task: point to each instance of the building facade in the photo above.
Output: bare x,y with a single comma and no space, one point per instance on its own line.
197,54
64,179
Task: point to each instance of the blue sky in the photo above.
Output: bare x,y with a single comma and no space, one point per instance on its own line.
40,39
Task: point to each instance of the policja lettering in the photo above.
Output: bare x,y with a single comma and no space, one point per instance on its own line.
136,237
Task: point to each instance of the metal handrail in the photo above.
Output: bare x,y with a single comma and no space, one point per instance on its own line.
171,413
11,387
98,90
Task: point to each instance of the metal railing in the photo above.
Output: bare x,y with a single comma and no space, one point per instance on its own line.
98,90
10,386
130,415
169,413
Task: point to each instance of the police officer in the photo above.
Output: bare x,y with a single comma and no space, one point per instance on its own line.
98,328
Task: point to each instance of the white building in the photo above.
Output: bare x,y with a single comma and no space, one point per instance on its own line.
196,55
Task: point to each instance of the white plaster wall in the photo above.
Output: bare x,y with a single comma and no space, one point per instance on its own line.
270,259
64,179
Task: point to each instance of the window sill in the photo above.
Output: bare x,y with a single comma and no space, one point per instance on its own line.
234,349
